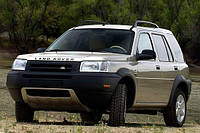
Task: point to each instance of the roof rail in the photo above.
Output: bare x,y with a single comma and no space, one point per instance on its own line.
91,21
144,22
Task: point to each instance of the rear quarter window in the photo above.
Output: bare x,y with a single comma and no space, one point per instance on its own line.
176,50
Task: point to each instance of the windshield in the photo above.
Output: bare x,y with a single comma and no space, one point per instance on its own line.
95,40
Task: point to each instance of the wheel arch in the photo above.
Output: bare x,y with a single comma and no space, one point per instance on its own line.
180,83
128,78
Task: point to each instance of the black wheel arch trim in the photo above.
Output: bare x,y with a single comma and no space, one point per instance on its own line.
180,79
127,73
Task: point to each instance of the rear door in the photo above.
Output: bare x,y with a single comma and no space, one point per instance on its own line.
168,68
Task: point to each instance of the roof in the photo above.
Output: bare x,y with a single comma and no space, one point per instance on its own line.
122,27
107,26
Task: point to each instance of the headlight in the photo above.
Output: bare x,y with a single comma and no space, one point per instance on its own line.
95,66
19,64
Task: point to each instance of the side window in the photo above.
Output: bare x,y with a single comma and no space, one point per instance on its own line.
171,59
160,47
175,48
144,43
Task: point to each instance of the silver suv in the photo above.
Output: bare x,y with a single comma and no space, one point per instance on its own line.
100,68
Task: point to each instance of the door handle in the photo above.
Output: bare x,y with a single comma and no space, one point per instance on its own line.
157,67
175,68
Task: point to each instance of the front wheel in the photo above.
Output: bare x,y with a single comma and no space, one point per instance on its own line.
23,112
176,113
118,106
91,117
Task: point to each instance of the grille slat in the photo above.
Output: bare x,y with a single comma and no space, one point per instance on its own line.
50,69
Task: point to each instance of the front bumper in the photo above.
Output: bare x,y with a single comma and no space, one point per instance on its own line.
89,87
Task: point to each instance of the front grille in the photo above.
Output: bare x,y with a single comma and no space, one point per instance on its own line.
48,93
52,66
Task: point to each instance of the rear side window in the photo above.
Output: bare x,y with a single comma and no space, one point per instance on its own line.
178,55
160,47
171,59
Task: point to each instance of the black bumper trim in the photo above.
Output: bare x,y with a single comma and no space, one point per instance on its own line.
89,87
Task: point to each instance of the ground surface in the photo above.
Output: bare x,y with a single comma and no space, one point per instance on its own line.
53,122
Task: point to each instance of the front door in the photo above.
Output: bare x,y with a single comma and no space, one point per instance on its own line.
147,76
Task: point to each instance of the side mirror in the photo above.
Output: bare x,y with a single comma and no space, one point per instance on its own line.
146,55
40,50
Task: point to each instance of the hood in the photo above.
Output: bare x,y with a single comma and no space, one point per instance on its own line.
74,56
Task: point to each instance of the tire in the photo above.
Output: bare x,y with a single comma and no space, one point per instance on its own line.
91,118
118,106
23,112
171,117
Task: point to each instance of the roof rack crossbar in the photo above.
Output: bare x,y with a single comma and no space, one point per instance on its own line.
144,22
92,21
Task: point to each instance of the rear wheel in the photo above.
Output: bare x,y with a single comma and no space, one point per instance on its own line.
23,112
176,113
91,117
118,106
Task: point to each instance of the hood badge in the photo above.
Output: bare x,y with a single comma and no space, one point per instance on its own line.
62,68
54,59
